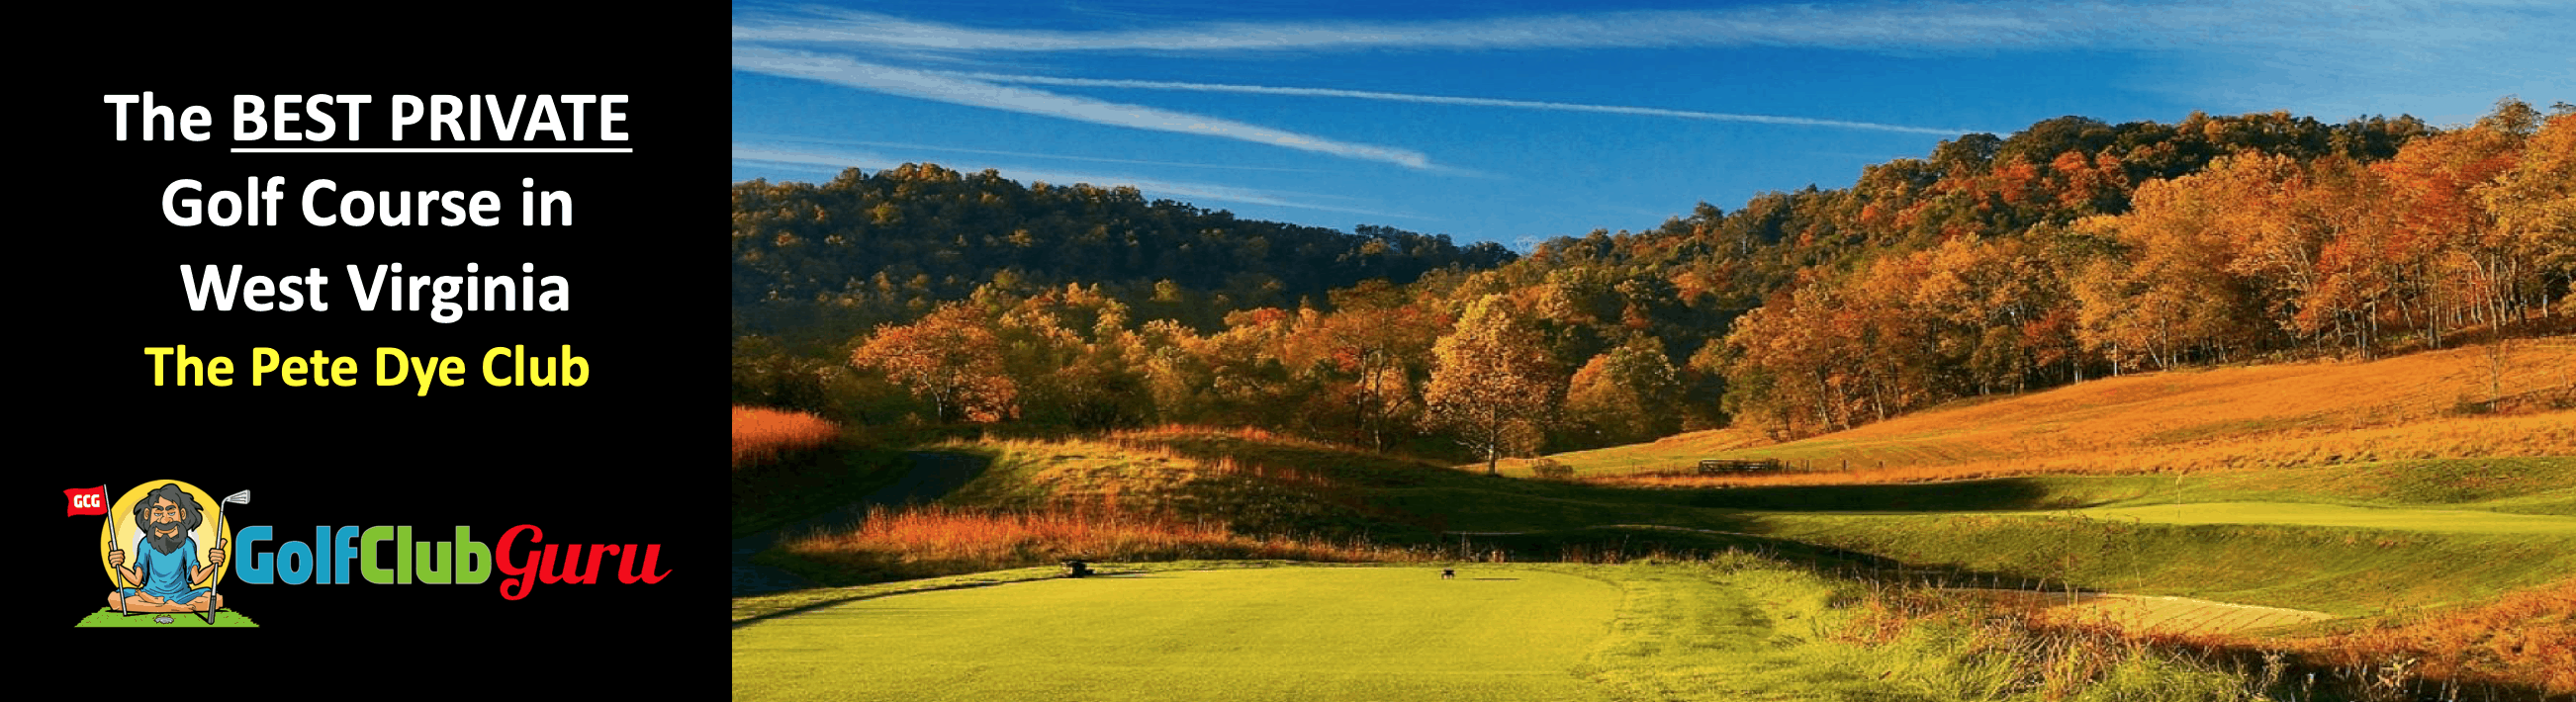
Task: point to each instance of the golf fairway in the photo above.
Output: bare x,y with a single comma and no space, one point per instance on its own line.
2438,520
1268,634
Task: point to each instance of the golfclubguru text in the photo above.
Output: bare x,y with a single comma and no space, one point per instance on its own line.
460,561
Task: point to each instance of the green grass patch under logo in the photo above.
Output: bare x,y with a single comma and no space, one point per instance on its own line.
224,619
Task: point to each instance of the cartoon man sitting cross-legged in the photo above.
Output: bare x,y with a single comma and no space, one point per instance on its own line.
167,557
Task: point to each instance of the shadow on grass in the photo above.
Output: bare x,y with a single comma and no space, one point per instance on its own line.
806,483
1960,496
1658,544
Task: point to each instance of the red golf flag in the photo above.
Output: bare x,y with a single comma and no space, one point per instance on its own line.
86,501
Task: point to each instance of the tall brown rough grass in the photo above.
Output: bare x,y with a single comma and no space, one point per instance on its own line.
764,434
2522,646
935,540
2526,638
2546,434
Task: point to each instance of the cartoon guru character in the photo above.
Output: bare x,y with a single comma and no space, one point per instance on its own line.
166,561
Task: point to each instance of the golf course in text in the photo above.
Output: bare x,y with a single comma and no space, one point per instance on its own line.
1269,634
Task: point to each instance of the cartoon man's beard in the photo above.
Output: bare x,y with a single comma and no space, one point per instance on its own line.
165,544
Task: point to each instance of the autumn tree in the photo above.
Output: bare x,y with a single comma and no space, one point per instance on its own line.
1072,346
2330,241
1493,382
1703,382
1791,376
1627,394
1175,371
2176,293
1378,341
2534,205
952,358
2480,269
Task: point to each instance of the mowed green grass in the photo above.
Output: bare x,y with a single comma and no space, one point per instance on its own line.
1269,634
224,619
2439,520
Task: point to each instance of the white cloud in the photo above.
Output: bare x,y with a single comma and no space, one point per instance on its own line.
1451,100
1023,154
931,86
1879,26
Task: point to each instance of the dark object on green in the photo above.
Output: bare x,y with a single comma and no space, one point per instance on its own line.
1075,568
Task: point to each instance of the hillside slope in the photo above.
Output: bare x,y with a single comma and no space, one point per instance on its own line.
2427,405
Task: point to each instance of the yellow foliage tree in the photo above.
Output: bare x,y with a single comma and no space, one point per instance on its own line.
1493,382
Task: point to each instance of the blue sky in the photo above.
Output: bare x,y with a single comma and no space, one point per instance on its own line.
1514,121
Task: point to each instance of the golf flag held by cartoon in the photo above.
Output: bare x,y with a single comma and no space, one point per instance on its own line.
91,501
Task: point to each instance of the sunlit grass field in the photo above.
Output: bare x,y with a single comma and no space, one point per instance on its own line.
1732,627
1275,634
2264,416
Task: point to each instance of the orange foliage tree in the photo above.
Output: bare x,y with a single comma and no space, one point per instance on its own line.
1378,340
2534,204
951,358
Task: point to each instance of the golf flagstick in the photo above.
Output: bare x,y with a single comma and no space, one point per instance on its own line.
117,571
238,498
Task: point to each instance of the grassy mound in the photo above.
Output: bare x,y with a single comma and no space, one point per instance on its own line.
2343,571
2283,415
798,485
2537,485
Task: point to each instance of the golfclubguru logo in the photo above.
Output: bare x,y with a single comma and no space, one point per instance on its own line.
164,545
523,556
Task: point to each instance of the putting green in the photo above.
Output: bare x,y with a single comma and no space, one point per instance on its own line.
1268,634
2444,520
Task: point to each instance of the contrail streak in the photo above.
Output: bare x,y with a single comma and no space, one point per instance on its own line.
1450,100
933,86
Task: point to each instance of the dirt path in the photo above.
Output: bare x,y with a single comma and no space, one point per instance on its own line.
931,475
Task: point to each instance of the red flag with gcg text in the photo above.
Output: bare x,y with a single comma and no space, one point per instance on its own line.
86,501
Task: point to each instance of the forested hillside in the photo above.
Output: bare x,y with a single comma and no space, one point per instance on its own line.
2071,249
835,259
